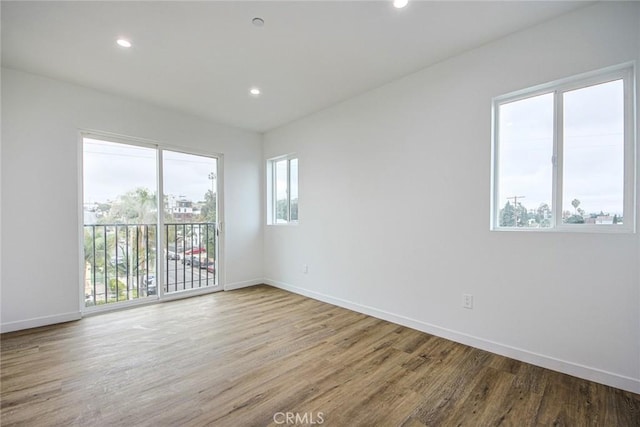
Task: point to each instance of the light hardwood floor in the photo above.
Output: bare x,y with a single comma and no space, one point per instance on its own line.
240,358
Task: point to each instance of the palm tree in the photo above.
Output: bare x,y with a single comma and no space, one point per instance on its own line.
133,217
137,206
575,203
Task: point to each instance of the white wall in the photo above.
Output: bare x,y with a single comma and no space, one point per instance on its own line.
394,211
41,118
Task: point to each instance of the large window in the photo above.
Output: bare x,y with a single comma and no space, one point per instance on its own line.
564,155
282,190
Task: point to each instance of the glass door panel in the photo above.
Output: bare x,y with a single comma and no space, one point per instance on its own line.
119,222
190,240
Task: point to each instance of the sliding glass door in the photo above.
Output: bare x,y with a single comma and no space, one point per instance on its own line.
137,245
190,221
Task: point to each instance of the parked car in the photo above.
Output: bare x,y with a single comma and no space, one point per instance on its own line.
195,251
196,262
150,283
211,268
174,251
193,260
206,264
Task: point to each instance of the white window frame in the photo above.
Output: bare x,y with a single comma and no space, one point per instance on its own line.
272,204
624,72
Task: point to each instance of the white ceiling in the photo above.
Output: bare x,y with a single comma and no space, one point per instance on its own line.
202,57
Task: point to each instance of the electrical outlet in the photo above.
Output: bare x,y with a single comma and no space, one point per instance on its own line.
305,269
467,301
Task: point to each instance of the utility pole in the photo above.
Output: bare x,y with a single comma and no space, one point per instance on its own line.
212,177
515,206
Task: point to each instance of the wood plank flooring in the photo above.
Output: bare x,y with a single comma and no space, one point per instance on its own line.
264,357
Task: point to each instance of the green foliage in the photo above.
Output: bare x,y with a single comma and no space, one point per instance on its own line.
137,206
507,216
209,210
282,211
575,219
130,263
117,290
103,208
542,215
210,236
294,209
511,214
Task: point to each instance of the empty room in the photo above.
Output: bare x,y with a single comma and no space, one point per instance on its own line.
342,213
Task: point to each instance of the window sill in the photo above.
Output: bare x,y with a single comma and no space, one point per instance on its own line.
598,229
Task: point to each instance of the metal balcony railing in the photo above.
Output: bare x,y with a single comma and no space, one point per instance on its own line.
121,260
190,255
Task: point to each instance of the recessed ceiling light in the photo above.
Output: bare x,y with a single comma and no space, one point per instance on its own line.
254,91
399,4
258,22
123,43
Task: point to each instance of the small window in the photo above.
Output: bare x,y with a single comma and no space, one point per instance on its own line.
563,155
282,190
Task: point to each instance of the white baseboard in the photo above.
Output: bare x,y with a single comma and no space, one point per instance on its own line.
548,362
39,321
245,284
570,368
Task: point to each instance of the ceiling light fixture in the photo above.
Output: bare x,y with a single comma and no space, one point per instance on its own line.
123,43
258,22
254,91
399,4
